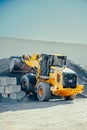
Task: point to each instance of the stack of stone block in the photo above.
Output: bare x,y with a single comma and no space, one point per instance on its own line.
10,89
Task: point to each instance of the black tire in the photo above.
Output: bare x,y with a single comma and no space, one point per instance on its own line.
43,91
28,82
72,97
13,63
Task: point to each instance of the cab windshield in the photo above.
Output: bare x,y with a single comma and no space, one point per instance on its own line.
59,61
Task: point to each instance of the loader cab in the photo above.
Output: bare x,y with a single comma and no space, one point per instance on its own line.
51,60
45,64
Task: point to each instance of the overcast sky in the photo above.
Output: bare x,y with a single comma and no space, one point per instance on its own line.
52,20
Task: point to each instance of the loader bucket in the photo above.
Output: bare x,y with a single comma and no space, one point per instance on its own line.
17,65
14,64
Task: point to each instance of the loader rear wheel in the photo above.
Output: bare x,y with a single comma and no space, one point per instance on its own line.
72,97
43,91
28,82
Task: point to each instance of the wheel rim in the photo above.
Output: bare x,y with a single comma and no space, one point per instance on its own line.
40,92
24,84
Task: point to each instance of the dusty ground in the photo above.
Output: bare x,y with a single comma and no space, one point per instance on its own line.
52,115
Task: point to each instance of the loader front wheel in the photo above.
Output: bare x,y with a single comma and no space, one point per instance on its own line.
43,91
28,82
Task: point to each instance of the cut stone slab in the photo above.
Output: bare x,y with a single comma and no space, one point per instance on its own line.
4,81
2,89
4,95
18,96
11,81
12,89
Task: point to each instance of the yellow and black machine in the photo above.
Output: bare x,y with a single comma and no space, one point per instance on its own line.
47,74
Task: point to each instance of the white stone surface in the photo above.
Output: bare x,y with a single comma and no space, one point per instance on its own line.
11,81
4,81
2,89
18,95
4,95
12,89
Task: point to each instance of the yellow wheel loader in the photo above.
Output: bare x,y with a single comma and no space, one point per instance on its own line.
46,75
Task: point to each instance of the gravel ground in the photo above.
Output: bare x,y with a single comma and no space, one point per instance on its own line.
55,114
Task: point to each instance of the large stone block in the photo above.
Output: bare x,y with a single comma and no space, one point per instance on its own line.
11,81
4,81
18,96
2,89
12,89
4,95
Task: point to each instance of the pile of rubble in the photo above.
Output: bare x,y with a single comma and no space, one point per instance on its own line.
9,88
82,74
